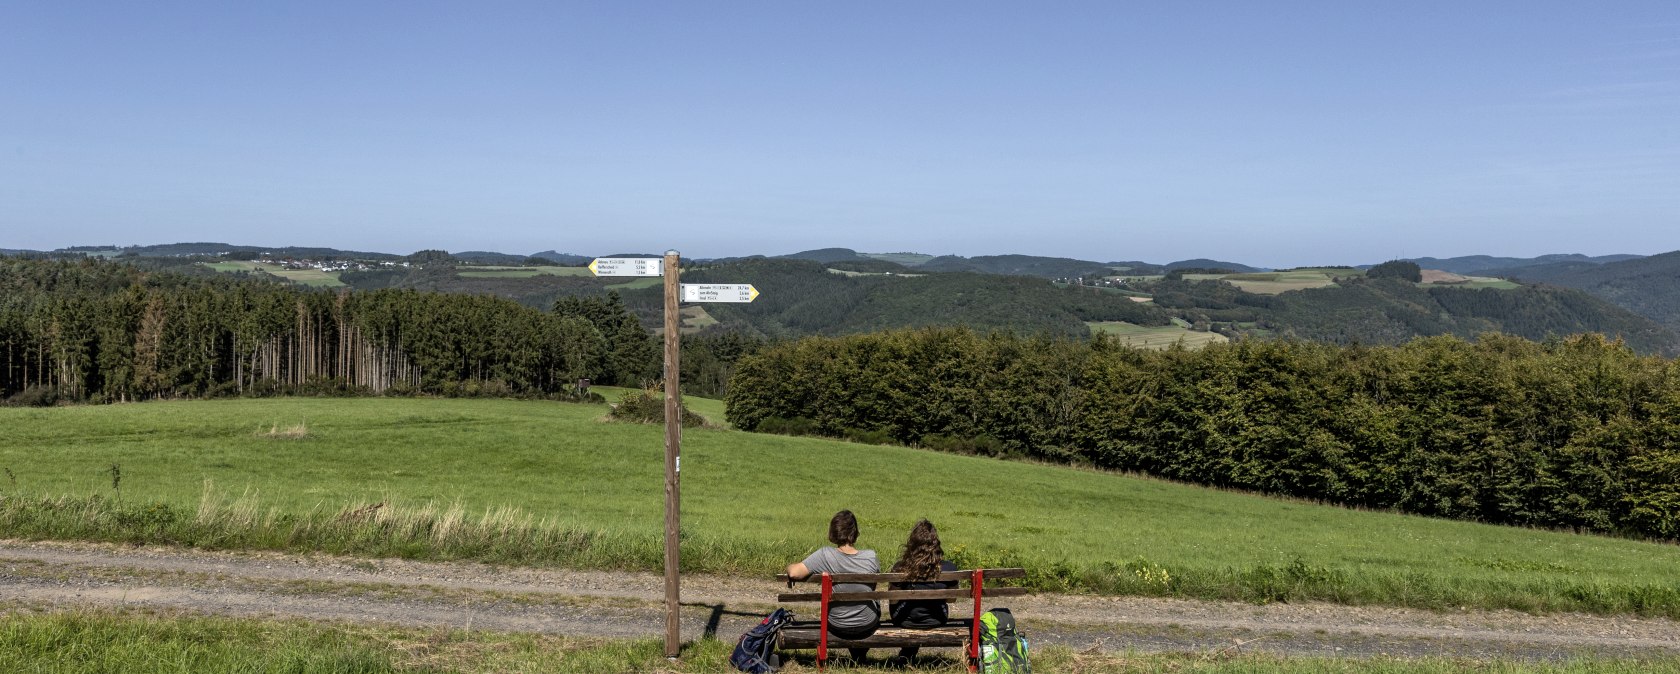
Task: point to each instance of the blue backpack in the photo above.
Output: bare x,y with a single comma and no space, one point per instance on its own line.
753,652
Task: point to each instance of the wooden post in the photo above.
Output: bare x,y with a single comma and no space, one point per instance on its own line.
673,456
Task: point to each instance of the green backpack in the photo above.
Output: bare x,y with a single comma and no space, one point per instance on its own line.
1002,649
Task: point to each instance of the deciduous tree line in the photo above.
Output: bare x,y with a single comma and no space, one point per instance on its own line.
1580,432
101,331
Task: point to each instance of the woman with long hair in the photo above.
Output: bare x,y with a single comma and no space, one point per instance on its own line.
922,561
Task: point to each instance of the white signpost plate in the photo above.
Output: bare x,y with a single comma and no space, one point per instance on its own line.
718,292
627,266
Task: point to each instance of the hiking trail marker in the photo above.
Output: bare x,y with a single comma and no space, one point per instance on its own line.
670,267
718,292
627,266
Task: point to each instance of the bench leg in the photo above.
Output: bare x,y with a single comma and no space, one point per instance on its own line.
822,622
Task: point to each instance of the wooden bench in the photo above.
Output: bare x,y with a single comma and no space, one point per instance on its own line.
963,632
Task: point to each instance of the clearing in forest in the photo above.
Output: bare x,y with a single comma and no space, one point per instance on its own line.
308,277
1156,337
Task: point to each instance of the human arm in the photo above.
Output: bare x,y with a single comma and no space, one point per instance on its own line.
798,571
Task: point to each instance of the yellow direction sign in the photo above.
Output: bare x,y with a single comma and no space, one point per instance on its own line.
718,292
627,266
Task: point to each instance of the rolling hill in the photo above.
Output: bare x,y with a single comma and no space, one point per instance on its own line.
1482,265
1648,286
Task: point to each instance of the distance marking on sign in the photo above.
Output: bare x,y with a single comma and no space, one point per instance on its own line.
627,266
718,292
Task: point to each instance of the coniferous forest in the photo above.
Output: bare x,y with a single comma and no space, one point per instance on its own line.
105,332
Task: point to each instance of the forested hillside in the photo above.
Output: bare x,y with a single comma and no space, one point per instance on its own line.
102,331
855,293
1648,286
801,298
1391,311
1575,433
1487,265
1018,265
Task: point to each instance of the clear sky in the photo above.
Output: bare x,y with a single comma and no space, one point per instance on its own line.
1269,133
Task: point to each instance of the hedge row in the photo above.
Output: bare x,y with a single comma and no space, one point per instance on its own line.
1574,433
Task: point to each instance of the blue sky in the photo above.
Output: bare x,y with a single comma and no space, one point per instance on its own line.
1267,133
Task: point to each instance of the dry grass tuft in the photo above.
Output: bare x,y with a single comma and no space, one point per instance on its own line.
275,432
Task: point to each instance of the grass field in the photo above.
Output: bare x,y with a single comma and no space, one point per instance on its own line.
1275,282
695,319
632,284
308,277
131,643
1156,337
1478,282
519,272
551,483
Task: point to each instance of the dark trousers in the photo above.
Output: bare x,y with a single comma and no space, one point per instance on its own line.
853,633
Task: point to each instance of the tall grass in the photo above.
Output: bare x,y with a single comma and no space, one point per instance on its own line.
121,643
512,536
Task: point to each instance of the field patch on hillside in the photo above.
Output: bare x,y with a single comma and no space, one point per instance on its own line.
1438,277
1275,282
308,277
1156,337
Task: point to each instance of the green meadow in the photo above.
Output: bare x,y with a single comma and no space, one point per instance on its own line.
547,483
308,277
1276,282
1156,336
1478,282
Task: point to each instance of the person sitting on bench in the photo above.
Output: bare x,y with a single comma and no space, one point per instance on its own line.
921,562
846,619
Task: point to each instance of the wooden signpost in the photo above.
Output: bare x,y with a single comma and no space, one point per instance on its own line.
669,267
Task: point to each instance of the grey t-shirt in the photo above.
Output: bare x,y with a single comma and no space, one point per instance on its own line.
847,614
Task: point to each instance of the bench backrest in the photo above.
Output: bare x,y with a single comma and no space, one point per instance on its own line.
948,594
976,591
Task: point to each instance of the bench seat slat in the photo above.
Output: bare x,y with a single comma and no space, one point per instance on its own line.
806,635
958,593
899,577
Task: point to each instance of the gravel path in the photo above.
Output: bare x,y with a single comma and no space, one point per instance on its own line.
608,604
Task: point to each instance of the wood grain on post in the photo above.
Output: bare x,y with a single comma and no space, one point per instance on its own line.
673,456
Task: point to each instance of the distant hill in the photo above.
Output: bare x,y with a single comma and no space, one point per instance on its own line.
906,258
1017,265
1204,263
871,266
488,257
1479,265
1136,268
801,297
840,291
214,249
564,259
1390,311
826,255
17,251
1648,286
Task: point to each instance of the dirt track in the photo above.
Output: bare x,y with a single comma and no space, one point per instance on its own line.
587,603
